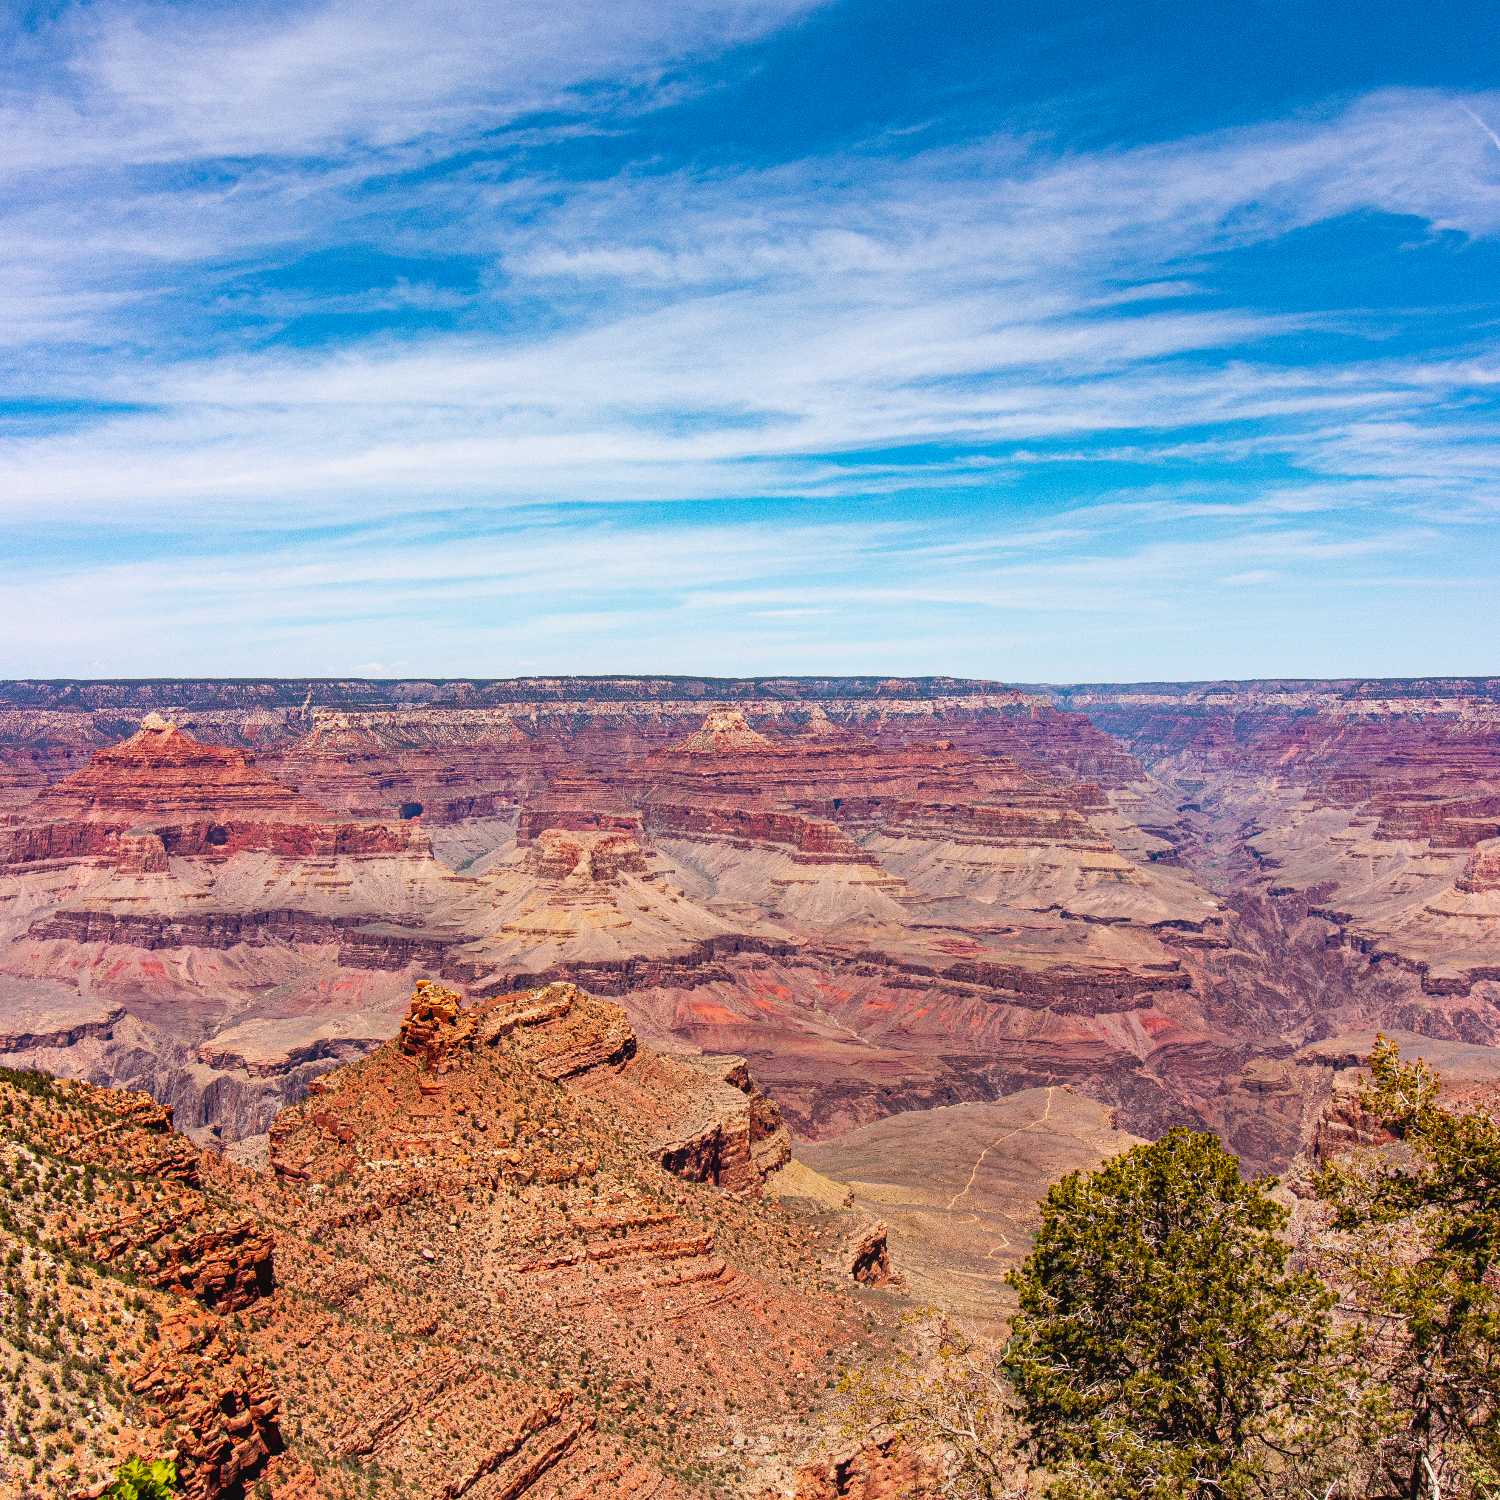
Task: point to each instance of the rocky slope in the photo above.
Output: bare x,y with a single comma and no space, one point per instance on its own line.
508,1254
124,1272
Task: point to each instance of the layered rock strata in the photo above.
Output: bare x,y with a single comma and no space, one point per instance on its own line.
888,893
482,1280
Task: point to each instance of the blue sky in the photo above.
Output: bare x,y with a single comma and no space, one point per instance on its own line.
1042,342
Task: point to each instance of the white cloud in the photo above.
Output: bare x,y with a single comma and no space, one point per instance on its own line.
741,328
992,319
139,84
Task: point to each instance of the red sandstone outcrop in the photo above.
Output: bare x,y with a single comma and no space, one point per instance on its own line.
435,1025
868,1256
1344,1124
704,1119
175,1237
121,1261
452,1107
590,859
716,1126
1481,871
882,1469
485,1282
220,1404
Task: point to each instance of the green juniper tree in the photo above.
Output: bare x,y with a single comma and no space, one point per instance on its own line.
1423,1261
1163,1347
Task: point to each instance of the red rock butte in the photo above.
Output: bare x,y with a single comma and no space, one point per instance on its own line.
725,732
161,772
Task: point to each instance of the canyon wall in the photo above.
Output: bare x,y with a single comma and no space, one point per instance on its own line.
888,894
481,1263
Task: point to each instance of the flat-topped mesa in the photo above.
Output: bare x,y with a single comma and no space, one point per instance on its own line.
725,731
715,1126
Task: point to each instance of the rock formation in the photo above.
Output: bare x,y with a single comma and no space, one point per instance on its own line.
479,1265
122,1267
725,732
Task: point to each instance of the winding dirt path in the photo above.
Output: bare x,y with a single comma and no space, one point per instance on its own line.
1000,1140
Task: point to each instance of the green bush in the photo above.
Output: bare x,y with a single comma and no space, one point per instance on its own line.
1423,1266
137,1480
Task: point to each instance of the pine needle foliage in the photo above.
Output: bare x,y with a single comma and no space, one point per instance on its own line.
1163,1346
1423,1264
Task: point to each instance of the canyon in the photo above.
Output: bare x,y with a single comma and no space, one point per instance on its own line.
888,895
602,1026
508,1253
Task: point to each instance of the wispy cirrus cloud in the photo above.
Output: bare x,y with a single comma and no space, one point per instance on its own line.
115,83
645,596
993,295
279,266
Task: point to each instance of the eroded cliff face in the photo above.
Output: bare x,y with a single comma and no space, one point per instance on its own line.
124,1271
786,873
890,894
471,1270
